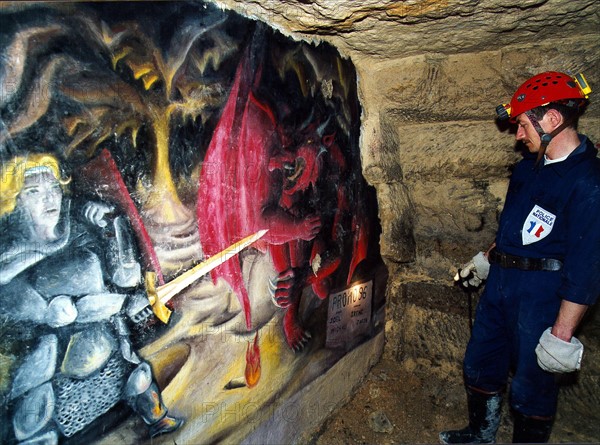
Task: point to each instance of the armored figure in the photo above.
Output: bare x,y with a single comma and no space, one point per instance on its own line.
70,279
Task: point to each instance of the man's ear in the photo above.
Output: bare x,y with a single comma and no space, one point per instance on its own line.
554,117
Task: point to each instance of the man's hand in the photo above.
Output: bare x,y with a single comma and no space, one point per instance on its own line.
558,356
473,273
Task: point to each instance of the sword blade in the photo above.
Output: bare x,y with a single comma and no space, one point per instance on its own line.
173,287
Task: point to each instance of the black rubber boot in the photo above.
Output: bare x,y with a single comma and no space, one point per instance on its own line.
531,429
484,420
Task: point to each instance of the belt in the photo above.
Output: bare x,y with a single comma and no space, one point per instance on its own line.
518,262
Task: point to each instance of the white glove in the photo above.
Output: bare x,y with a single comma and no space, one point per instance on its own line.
474,272
558,356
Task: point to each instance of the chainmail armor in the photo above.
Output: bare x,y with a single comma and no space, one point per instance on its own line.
80,402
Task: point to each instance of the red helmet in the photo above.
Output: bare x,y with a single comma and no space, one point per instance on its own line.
544,88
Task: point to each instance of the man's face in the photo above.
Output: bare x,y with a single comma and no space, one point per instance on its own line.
527,134
41,198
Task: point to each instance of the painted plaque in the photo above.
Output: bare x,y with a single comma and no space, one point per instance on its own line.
349,315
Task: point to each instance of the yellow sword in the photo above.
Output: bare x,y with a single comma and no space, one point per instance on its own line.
158,296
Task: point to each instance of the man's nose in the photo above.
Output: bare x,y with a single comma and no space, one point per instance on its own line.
49,196
520,134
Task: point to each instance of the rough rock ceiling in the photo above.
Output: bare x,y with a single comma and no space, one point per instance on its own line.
392,29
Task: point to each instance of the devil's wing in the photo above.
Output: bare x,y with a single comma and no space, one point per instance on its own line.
234,180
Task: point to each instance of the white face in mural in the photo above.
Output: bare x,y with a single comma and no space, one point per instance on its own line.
41,199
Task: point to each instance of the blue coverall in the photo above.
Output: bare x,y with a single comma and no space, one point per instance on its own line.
550,212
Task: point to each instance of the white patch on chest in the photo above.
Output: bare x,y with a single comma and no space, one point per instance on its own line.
537,225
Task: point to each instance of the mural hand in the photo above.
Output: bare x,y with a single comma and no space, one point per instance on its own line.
309,227
98,307
138,308
281,288
296,337
301,342
95,213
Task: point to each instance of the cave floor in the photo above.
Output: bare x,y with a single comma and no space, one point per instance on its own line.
403,403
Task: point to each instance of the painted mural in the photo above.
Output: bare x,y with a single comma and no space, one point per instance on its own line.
183,222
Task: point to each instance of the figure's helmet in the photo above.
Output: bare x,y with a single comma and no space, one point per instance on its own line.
544,88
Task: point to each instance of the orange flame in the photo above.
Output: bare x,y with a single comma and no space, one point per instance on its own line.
252,372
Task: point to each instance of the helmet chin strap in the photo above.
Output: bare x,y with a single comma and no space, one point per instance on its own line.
545,138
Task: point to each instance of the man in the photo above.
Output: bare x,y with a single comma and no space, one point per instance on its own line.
544,267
